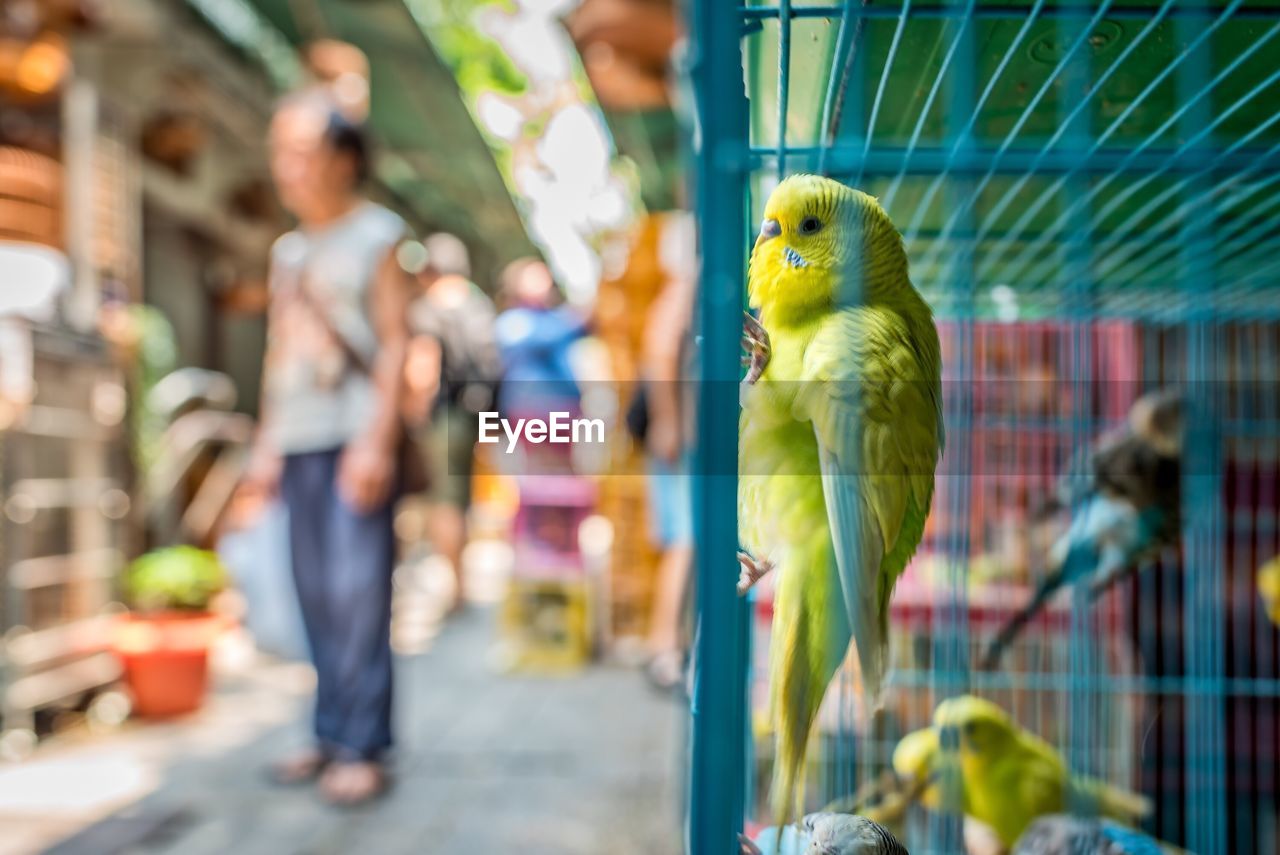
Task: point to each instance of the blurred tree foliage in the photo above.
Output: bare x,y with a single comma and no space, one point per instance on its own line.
477,61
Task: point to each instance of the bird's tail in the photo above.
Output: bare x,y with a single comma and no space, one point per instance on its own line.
1109,801
863,587
810,636
1014,626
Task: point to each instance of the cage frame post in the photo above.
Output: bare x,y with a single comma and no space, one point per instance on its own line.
717,784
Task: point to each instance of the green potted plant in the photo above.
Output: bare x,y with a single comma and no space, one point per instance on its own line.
164,641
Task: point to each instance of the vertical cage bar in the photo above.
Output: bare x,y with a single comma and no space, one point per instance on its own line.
1203,557
880,88
719,726
1266,525
1241,526
1076,308
842,68
951,642
951,649
784,81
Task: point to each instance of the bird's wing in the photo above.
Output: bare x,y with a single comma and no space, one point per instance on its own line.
1034,777
874,412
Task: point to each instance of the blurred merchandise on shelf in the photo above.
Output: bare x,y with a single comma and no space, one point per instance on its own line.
549,613
64,531
546,527
495,496
31,204
546,625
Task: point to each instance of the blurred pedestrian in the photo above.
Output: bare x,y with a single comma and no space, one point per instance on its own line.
535,333
454,319
330,427
659,418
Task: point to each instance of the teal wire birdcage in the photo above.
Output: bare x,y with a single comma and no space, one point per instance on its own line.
1088,194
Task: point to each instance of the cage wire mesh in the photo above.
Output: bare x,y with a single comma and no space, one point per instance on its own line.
1087,193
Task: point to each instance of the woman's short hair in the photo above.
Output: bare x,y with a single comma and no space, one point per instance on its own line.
349,138
342,133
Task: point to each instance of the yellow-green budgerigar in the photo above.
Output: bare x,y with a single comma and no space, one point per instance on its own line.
1009,776
917,763
1269,588
841,430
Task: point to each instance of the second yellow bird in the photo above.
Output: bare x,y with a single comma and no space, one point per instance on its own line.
1007,776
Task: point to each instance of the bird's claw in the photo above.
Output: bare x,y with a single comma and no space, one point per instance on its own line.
755,340
753,571
748,846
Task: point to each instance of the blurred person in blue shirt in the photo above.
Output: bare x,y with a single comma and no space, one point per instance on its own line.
535,333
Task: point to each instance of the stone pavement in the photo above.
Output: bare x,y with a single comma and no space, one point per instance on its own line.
587,764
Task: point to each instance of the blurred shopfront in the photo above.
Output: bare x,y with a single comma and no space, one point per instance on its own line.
136,216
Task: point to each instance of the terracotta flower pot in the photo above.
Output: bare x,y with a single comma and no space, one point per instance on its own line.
166,659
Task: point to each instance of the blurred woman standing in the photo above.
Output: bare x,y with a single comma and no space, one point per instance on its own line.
330,427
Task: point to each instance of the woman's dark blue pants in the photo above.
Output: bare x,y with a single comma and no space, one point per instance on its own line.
342,565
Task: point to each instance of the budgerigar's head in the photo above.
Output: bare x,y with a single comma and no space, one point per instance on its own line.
845,834
979,729
1159,417
915,754
824,244
925,772
1269,588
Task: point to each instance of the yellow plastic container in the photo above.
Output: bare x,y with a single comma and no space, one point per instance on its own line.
546,625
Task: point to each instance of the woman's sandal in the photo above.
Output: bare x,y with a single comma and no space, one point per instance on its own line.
300,768
351,783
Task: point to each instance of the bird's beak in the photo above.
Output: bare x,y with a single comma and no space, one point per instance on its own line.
770,228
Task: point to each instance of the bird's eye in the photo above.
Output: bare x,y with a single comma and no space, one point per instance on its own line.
810,225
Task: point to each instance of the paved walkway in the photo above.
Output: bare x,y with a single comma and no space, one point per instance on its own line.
488,763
